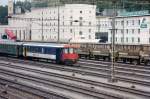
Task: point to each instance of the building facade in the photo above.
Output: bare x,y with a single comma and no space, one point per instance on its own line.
132,30
128,29
103,27
76,21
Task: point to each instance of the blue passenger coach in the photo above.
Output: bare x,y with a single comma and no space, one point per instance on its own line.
50,51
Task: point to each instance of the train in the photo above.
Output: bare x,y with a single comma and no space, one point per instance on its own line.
58,53
69,53
126,53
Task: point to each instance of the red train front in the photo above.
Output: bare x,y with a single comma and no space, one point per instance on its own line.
69,55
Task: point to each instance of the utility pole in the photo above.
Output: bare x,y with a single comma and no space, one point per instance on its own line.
42,27
30,31
112,76
58,38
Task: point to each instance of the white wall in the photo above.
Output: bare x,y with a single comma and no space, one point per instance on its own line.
68,14
130,31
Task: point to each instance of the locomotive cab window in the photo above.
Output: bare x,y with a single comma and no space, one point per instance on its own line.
71,50
66,51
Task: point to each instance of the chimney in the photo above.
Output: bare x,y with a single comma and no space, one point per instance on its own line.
10,7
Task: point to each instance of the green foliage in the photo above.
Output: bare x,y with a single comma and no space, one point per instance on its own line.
24,5
3,14
129,5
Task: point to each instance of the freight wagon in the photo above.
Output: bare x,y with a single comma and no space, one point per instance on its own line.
127,53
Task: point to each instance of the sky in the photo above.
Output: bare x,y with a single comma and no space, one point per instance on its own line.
5,2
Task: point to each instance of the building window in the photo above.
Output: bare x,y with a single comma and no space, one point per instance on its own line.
132,31
80,18
90,23
138,39
127,31
132,22
89,36
116,31
70,30
116,39
80,33
132,39
121,39
89,30
122,31
139,31
110,39
71,23
149,40
127,22
81,24
122,23
111,32
139,22
126,39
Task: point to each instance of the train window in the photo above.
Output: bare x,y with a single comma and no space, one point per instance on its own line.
66,51
71,50
75,50
49,50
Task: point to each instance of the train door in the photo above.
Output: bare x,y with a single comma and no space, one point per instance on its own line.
59,52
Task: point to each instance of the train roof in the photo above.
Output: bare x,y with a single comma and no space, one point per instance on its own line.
10,42
46,45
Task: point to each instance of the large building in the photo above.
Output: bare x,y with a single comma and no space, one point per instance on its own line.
132,30
76,22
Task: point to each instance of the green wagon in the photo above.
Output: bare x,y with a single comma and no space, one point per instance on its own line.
11,48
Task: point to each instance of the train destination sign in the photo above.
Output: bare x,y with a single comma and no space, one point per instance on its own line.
135,13
144,23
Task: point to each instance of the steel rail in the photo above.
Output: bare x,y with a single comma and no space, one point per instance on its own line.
119,70
63,85
117,63
122,70
78,70
92,82
31,90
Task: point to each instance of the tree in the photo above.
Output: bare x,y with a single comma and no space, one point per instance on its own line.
3,14
26,5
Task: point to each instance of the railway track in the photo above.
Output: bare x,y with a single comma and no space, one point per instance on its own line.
129,90
89,71
16,90
63,85
119,70
130,66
